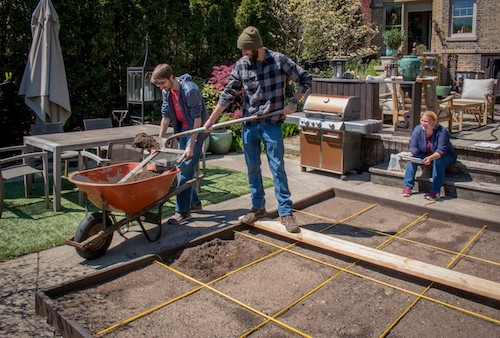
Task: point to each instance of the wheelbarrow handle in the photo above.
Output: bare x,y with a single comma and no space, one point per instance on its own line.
223,124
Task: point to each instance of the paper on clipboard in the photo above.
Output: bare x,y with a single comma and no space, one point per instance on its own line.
412,159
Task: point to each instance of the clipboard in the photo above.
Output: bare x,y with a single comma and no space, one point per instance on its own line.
412,159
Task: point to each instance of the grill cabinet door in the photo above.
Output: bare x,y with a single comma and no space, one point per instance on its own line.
332,151
310,143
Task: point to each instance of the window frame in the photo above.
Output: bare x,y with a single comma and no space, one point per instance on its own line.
386,8
474,20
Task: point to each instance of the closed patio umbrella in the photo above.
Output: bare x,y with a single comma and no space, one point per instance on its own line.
44,84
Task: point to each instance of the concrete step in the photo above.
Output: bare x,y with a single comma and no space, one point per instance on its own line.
465,179
478,171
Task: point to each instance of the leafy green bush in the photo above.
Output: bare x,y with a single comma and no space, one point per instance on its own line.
362,69
211,96
393,38
289,129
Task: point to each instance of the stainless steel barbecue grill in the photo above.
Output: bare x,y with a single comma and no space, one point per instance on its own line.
324,142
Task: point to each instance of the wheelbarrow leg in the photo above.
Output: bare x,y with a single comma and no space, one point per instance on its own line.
157,219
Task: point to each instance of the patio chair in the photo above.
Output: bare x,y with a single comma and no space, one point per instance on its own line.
482,91
385,96
55,128
99,123
442,108
118,152
16,166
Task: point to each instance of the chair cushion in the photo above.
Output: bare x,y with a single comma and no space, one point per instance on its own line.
389,85
477,88
455,101
388,105
378,78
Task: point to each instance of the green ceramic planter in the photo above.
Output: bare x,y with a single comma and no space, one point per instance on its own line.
409,67
391,52
443,91
220,141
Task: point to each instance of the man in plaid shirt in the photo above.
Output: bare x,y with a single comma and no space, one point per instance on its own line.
263,73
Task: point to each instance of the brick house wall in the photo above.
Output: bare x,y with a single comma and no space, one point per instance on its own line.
468,51
466,54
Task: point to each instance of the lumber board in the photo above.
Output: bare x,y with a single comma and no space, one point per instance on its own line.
454,279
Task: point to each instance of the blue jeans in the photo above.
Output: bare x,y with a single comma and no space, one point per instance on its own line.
272,137
188,197
438,169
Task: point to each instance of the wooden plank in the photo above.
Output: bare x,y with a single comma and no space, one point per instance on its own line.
391,261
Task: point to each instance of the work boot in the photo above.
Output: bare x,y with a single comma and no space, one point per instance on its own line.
179,217
197,207
290,223
253,215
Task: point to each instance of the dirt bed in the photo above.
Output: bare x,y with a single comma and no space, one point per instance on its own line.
346,305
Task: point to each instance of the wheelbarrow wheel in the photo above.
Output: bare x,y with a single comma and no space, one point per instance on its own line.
88,228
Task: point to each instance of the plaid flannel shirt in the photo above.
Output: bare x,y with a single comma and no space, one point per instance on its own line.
264,85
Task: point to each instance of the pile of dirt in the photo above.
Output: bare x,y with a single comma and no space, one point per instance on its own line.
144,141
217,257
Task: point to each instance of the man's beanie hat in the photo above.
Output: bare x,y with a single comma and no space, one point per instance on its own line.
250,39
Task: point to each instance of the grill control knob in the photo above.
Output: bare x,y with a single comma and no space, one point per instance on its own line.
332,126
306,123
318,124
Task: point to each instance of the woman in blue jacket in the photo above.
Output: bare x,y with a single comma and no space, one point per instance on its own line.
431,143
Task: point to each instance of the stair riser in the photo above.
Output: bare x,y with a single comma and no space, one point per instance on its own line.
424,185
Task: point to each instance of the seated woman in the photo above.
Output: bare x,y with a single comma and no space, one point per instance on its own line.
431,143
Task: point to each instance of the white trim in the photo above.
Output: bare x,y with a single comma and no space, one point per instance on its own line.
466,36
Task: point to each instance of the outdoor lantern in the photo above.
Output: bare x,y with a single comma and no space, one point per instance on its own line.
339,67
139,86
140,90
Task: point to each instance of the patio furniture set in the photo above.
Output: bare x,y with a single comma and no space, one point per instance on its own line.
476,101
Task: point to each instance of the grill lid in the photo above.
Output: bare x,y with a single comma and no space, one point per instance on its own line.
334,107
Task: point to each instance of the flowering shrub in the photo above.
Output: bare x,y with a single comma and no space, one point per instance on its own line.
214,86
218,80
219,76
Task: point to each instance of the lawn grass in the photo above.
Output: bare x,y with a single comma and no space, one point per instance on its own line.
26,226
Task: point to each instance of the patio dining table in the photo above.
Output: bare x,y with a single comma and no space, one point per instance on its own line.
79,140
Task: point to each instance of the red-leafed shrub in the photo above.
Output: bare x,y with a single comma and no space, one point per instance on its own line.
214,86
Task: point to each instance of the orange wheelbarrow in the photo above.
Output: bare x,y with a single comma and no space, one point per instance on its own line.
94,233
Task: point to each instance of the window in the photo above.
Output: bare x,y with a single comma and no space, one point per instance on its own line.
393,17
463,14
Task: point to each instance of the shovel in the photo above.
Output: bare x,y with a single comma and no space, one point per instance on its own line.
194,131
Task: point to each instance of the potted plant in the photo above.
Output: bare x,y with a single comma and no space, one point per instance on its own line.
220,141
393,38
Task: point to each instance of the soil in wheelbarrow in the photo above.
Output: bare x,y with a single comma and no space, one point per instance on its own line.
346,305
143,175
